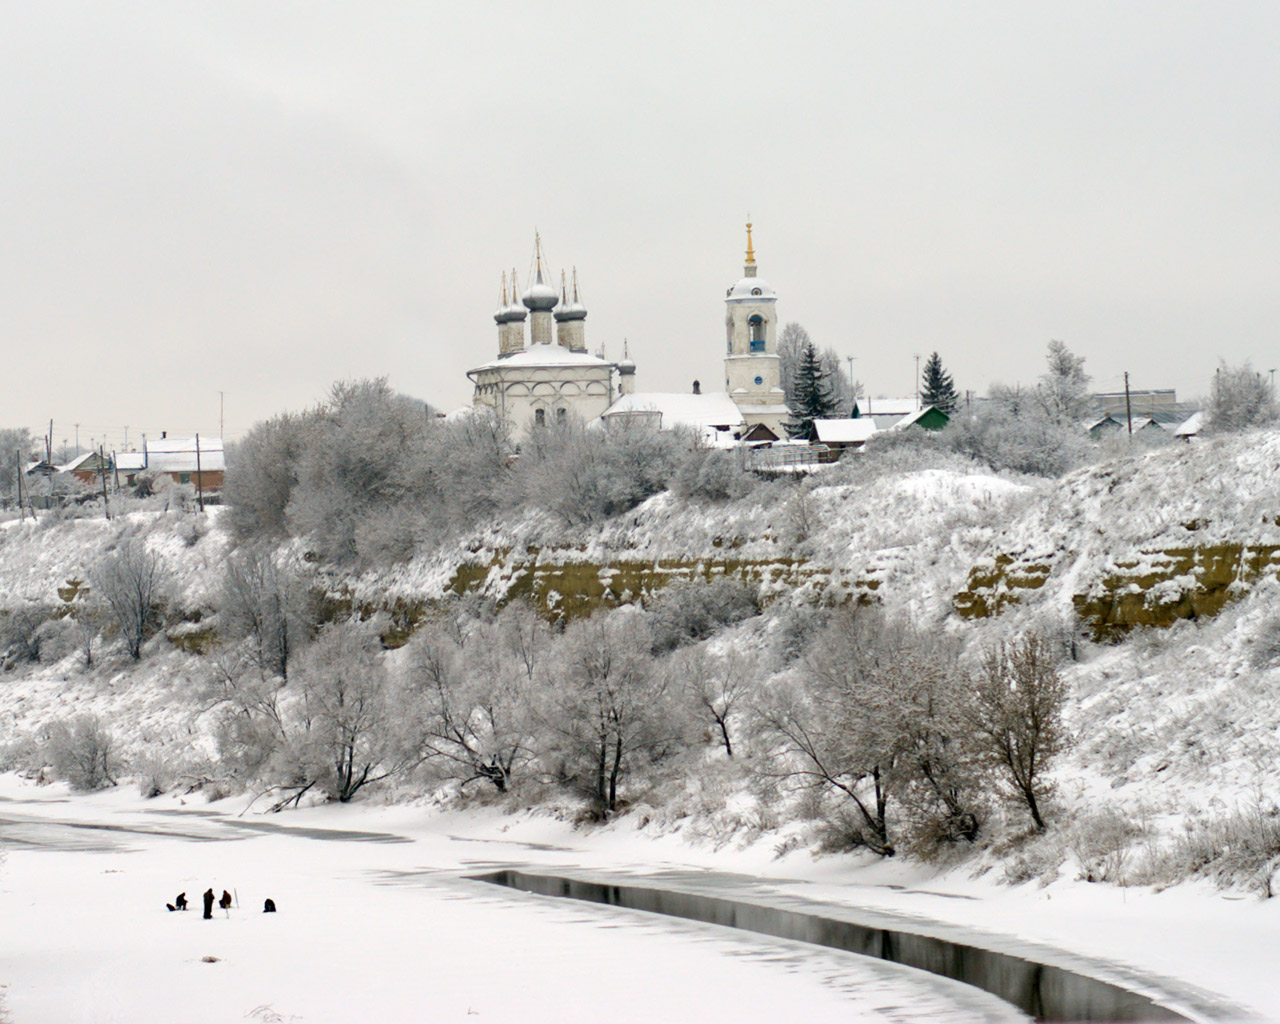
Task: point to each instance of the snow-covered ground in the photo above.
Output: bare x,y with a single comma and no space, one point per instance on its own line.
378,921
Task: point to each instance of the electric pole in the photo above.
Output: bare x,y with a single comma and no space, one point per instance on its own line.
1128,409
917,380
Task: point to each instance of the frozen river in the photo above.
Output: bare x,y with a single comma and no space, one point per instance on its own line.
387,923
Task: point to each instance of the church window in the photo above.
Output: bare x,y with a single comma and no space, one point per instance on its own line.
756,291
756,323
759,381
562,414
540,417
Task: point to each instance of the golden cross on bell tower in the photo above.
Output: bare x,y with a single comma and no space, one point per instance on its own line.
751,253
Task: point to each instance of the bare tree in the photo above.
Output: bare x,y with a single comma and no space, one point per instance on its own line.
717,684
1016,716
129,583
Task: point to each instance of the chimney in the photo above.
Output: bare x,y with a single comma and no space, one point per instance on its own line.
163,434
697,387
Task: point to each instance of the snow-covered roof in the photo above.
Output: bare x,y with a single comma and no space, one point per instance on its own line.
888,406
1192,426
175,455
845,431
76,463
912,417
543,355
751,289
680,409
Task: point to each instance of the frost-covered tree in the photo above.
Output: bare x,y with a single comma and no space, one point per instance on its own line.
129,581
346,735
1239,398
364,489
15,444
265,600
471,700
792,341
870,718
606,713
262,472
812,399
83,753
1015,717
1063,390
937,388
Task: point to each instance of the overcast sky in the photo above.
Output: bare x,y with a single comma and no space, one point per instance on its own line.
260,198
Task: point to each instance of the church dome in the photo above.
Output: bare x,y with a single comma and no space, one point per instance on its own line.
570,311
751,288
540,297
627,366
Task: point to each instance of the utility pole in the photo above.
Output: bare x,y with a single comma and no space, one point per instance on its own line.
853,390
102,474
199,476
1128,409
77,438
221,435
17,467
917,380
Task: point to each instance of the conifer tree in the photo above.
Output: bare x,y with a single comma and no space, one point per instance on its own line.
937,388
813,399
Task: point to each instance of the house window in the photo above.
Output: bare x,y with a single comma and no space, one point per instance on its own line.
539,417
756,324
128,479
184,478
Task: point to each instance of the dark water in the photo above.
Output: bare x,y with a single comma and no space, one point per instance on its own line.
1044,992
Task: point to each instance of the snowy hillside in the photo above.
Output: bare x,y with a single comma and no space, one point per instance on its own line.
1160,567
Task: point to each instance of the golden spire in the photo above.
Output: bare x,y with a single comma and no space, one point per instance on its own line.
575,284
751,253
502,302
515,288
564,291
537,249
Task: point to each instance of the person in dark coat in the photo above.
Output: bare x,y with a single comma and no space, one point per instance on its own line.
269,907
181,901
225,902
208,904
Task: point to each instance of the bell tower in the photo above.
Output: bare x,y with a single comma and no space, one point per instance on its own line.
751,367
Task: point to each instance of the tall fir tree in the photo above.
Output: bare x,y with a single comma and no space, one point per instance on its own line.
812,395
937,388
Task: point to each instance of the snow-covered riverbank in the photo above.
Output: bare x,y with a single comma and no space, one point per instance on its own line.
377,922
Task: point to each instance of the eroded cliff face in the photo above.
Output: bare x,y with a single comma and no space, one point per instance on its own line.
1153,588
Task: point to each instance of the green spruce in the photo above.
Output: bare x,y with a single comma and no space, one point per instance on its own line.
812,395
937,388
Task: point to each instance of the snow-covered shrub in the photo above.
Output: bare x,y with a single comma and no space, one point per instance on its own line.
262,474
712,475
1028,442
83,753
1103,844
1266,643
22,634
1241,849
687,611
584,475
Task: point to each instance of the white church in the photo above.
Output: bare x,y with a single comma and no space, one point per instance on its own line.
538,379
